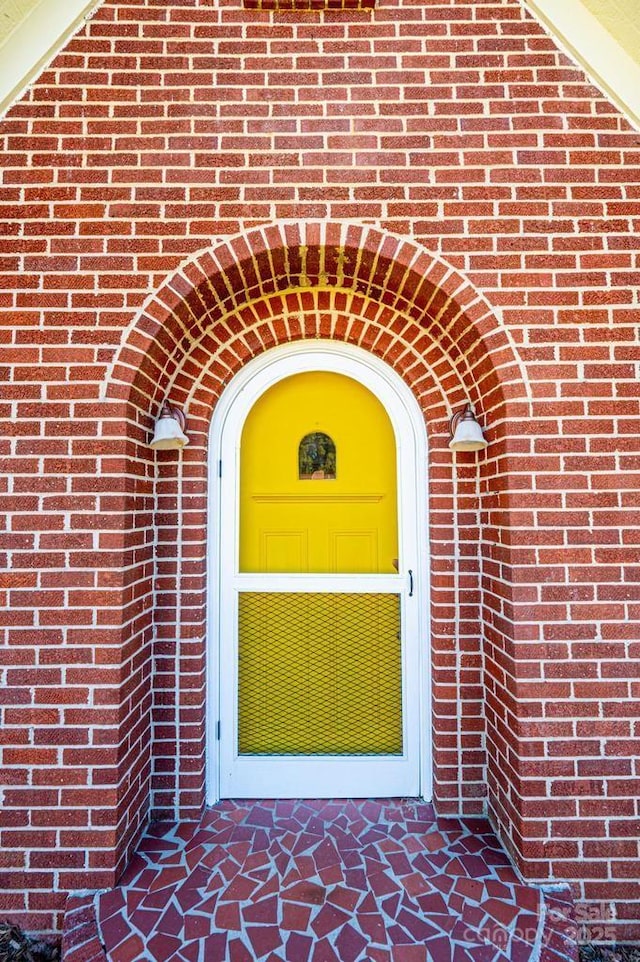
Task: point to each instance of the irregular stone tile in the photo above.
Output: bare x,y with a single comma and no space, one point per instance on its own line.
482,953
379,955
188,898
227,917
497,889
325,854
391,905
417,927
344,898
355,878
133,898
134,869
114,930
506,874
526,926
196,927
238,952
132,948
345,841
328,919
382,884
399,863
215,949
169,877
298,947
308,892
306,866
373,926
270,886
162,946
171,921
464,934
332,875
240,889
265,911
190,952
259,816
141,884
438,950
415,884
396,935
351,859
159,899
409,953
433,841
208,904
502,912
527,898
145,920
349,944
432,904
264,938
255,861
295,917
112,902
470,888
323,952
448,923
460,954
473,916
474,866
520,950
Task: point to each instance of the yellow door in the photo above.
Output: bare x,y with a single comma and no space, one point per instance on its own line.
318,480
319,673
318,620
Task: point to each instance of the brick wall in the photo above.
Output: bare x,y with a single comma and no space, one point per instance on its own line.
448,191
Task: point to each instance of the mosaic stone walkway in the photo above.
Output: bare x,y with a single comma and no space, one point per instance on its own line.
324,881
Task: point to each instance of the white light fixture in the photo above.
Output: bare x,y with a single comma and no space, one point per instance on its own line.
169,431
466,433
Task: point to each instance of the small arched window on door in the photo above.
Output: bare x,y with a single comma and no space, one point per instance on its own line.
317,458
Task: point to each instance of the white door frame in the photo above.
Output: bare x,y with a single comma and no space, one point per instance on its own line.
257,376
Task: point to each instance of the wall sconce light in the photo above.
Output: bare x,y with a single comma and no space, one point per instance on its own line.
169,430
466,433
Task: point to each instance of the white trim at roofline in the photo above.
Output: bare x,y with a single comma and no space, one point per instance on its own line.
587,42
34,43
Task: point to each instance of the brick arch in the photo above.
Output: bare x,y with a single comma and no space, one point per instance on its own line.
292,258
223,307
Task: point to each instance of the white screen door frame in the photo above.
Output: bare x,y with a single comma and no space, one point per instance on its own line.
253,776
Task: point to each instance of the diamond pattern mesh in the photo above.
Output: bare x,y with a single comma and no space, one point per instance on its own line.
319,674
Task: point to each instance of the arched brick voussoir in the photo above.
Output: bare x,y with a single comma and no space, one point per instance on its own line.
216,284
207,370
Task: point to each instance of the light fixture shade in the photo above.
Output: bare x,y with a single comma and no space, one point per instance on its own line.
169,430
466,432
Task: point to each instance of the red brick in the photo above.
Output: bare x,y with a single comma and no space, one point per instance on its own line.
533,611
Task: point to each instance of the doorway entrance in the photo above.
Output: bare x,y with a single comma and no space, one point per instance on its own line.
318,568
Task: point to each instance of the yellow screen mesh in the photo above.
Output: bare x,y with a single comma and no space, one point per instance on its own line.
319,674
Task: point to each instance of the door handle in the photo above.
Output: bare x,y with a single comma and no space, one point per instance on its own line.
410,583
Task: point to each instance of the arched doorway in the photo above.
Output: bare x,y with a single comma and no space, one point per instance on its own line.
318,656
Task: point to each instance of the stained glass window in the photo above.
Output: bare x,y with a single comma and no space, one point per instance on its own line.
317,458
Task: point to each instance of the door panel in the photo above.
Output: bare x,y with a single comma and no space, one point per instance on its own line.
283,550
354,550
358,505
